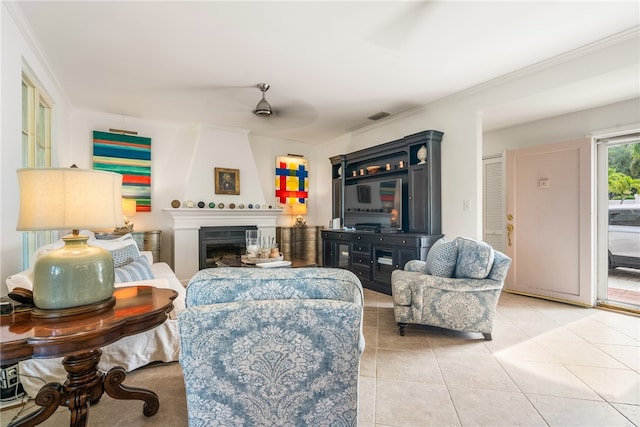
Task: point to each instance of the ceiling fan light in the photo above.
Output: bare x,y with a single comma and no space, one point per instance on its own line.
263,109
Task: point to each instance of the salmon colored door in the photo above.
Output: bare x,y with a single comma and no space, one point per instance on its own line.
548,221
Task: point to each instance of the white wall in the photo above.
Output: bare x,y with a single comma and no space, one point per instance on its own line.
19,53
613,118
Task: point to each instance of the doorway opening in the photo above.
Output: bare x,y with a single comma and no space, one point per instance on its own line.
618,186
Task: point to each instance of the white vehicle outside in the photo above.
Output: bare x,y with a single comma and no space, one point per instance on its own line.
624,235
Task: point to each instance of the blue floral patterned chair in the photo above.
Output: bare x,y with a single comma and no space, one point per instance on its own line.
456,288
272,347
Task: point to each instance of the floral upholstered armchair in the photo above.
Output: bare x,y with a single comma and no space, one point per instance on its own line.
456,288
272,347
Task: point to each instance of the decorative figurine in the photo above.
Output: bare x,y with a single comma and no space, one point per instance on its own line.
422,155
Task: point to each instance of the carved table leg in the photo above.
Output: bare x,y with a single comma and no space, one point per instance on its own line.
49,397
114,388
85,386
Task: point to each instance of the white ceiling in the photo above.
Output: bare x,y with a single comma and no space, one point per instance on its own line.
330,64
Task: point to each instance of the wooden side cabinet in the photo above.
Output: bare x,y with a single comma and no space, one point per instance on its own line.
148,240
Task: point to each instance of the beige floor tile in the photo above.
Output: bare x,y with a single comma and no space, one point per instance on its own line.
370,337
369,362
366,400
576,353
614,385
494,408
412,366
475,372
596,332
413,340
399,403
632,412
565,412
370,317
550,379
626,354
457,344
527,350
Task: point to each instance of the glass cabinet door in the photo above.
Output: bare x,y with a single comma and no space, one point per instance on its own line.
342,255
383,265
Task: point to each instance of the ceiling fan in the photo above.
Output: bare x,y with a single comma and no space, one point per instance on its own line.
263,109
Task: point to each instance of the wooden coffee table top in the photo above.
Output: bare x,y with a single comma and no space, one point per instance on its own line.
137,309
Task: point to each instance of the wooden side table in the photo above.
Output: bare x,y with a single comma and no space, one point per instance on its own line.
80,339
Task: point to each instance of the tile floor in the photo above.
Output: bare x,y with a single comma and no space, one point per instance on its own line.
548,364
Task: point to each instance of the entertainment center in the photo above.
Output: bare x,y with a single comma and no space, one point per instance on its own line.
388,199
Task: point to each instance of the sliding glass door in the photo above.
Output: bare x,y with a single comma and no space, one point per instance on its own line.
618,163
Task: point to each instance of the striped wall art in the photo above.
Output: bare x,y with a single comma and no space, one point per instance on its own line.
130,156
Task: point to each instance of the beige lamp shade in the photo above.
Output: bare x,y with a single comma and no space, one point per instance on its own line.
297,209
69,198
129,207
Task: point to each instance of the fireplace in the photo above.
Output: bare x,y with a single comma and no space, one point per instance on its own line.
222,245
187,223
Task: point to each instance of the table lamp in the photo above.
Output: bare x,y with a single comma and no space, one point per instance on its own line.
76,275
297,210
128,210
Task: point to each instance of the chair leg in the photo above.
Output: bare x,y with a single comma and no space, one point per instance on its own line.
401,326
487,337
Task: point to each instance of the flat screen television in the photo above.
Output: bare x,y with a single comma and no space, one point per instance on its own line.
375,205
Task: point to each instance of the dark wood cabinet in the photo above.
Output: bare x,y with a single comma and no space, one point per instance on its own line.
373,256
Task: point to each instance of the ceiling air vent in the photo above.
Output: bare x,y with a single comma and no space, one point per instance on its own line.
378,116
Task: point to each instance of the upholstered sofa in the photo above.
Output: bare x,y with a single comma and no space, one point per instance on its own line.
134,267
457,287
272,347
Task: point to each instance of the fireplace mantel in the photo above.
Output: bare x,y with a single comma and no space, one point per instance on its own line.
187,223
189,218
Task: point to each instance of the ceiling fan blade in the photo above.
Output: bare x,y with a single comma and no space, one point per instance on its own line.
396,32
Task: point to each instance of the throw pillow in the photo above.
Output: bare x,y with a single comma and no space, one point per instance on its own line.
441,259
136,270
475,259
111,244
125,255
24,279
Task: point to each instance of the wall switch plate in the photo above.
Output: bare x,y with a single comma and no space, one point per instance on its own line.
466,205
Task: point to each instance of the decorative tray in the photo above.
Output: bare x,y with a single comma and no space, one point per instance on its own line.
251,260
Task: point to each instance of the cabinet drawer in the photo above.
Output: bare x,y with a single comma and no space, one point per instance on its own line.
363,273
361,247
337,236
147,241
396,240
360,259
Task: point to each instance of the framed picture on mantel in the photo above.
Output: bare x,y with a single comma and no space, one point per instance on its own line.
227,181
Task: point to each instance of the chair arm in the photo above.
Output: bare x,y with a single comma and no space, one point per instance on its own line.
500,268
415,265
454,284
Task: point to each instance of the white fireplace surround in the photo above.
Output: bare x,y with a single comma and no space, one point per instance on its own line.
188,221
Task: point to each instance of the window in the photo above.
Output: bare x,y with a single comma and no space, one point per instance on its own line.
36,150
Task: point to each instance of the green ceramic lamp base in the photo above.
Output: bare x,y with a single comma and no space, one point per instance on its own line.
75,275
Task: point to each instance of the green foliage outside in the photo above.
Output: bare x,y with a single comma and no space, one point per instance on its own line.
624,171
